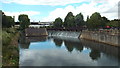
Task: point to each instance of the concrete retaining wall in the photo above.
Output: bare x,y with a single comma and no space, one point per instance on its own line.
101,36
35,31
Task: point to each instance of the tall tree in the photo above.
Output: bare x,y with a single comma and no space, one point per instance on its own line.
104,21
7,21
58,22
69,20
79,20
24,21
95,21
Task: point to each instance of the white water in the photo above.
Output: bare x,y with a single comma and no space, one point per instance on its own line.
70,34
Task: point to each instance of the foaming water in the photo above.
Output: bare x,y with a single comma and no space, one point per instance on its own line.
69,34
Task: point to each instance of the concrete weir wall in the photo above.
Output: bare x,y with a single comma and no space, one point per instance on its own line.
35,31
67,34
101,36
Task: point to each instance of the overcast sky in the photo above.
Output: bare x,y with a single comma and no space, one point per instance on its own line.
48,10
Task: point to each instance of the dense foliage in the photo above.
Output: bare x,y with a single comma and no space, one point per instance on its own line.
79,20
114,23
7,21
24,21
10,55
69,20
9,36
58,23
95,21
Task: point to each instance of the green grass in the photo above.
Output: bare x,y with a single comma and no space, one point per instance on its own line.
10,51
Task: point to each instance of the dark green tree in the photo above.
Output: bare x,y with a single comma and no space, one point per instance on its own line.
95,21
10,21
114,23
58,23
104,21
24,21
79,20
69,20
87,21
7,21
87,18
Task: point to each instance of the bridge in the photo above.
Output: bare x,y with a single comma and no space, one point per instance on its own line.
36,24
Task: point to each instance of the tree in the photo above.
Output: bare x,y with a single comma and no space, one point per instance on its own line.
24,21
104,21
58,22
79,20
7,21
114,23
69,20
10,21
95,21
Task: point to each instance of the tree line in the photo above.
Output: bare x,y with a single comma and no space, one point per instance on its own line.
8,21
95,21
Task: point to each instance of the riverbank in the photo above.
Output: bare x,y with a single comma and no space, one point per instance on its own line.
110,37
10,49
107,36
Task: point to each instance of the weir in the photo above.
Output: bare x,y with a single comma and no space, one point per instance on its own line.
67,34
36,32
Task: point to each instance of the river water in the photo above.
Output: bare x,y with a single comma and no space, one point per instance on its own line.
57,51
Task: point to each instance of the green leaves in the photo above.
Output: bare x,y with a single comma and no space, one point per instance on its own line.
24,21
69,20
79,20
58,23
7,21
114,23
96,21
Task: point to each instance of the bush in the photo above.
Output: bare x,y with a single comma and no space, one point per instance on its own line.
7,35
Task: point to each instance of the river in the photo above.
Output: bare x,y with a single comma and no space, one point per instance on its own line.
57,51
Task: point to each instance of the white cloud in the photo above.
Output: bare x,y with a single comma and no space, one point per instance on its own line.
108,9
16,14
42,2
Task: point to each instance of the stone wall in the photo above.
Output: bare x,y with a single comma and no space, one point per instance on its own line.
111,37
35,31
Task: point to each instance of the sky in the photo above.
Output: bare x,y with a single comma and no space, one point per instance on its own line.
49,10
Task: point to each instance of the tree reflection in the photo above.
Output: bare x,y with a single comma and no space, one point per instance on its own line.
94,54
23,42
79,46
69,45
58,42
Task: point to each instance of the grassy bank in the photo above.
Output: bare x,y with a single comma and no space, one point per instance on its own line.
10,50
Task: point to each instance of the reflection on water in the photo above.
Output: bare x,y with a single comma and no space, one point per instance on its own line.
58,42
47,51
94,54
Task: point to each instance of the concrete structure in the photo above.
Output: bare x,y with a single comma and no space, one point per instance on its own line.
111,37
65,34
36,24
36,31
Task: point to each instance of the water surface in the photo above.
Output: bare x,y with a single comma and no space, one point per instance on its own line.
49,51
